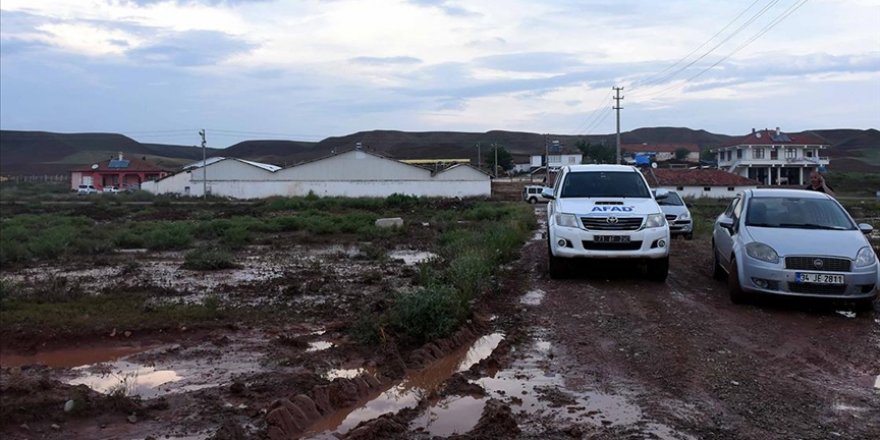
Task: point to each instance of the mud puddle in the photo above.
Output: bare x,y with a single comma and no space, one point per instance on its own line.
531,387
72,357
408,392
150,372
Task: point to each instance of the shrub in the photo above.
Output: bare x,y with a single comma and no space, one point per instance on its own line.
168,236
426,314
236,237
208,259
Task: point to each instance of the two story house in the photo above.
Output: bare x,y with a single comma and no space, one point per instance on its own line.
773,157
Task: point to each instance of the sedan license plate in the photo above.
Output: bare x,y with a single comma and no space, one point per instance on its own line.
611,238
818,278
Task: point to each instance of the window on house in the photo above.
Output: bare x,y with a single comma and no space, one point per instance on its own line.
774,154
758,153
739,154
707,188
808,153
730,188
790,153
679,188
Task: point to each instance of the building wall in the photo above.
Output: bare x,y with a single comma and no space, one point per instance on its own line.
346,188
353,174
354,165
715,192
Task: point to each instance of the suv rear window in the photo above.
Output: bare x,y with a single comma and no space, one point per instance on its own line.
604,184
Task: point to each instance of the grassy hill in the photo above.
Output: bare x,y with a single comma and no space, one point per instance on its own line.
35,152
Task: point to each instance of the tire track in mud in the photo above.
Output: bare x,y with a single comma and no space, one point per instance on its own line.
707,367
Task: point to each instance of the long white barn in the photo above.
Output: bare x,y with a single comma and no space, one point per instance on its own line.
354,173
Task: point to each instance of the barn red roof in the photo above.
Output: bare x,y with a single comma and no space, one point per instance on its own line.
695,177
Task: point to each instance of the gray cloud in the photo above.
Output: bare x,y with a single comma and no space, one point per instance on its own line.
378,61
192,48
531,62
446,7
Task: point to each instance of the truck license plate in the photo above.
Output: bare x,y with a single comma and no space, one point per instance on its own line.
611,238
818,278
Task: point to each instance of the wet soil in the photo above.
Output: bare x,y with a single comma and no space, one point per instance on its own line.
606,354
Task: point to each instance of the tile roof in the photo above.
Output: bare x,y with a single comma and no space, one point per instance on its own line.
695,177
770,137
659,148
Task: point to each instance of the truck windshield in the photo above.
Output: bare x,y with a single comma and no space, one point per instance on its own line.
604,184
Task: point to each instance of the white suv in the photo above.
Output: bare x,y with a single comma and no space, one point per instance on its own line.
605,212
533,194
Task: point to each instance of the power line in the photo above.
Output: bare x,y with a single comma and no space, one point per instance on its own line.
748,22
791,9
594,115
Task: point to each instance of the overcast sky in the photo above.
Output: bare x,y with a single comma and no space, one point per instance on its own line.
158,70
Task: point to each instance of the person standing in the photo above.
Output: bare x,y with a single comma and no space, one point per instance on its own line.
817,183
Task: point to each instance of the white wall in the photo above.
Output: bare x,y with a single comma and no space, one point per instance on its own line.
352,174
715,192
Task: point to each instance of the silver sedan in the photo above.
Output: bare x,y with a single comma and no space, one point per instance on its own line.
793,242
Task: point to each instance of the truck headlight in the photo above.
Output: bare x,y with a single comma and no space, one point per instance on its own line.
655,221
568,220
865,257
761,251
684,216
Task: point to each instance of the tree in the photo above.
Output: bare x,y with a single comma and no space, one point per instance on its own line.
505,159
707,154
597,153
681,153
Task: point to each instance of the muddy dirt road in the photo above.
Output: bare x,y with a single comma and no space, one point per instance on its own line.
678,360
606,354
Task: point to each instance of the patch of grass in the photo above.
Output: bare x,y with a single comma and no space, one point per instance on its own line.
208,259
426,314
171,235
96,314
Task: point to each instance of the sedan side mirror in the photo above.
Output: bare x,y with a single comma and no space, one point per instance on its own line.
726,223
547,193
866,228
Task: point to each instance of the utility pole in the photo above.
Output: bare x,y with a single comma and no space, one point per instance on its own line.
479,158
495,146
618,108
204,165
547,153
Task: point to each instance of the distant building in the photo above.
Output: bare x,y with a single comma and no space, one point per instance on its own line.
121,173
660,152
698,182
773,157
557,156
355,173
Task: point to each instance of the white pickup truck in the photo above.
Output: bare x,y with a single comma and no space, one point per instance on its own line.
605,212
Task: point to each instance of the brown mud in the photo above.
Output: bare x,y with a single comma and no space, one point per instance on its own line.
606,354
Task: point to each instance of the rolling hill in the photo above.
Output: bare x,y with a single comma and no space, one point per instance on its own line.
37,152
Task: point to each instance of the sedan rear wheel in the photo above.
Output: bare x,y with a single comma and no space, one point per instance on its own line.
737,296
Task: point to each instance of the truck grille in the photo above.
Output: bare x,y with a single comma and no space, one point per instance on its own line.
671,217
619,224
809,263
594,246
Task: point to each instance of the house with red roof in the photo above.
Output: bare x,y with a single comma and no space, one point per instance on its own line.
773,157
698,182
120,173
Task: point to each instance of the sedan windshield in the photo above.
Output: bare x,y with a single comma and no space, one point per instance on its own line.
671,200
797,213
604,184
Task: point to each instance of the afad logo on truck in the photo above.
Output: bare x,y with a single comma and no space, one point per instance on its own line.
613,208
